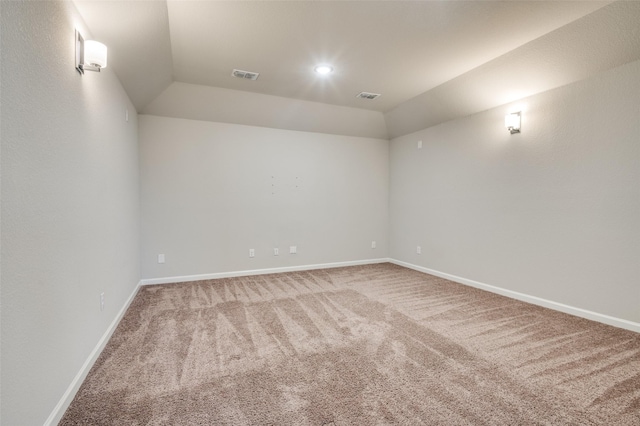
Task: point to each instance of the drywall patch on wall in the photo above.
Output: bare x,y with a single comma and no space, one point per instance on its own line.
70,207
551,212
213,191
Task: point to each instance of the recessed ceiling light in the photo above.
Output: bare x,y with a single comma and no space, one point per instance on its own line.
323,69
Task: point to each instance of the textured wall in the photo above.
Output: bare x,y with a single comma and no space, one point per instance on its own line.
553,212
70,207
211,191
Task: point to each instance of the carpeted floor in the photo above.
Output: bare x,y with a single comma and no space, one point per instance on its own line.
365,345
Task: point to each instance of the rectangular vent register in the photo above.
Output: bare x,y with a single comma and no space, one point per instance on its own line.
247,75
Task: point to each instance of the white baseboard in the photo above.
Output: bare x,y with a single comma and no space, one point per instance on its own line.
579,312
70,393
213,276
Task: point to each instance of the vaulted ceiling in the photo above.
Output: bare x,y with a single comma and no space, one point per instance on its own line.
405,50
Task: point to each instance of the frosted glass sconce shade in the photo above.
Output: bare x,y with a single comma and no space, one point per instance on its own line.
95,54
91,55
512,122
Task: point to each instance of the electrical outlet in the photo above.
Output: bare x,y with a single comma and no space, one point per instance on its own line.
419,144
161,258
373,244
102,301
276,251
252,253
293,250
419,250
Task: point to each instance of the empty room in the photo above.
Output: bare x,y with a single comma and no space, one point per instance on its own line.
319,212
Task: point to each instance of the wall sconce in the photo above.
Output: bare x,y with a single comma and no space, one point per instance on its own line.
512,122
91,55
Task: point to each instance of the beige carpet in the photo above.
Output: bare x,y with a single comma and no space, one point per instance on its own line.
366,345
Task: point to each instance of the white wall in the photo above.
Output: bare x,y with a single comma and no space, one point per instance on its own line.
216,104
553,212
211,191
568,54
70,207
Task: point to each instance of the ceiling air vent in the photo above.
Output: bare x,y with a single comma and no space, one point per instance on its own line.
367,95
247,75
